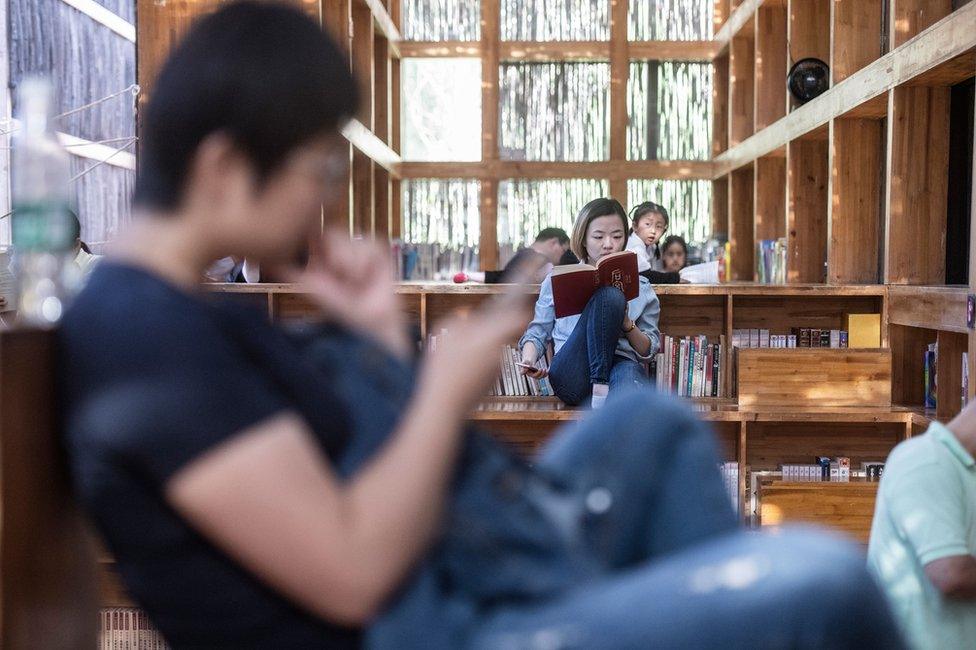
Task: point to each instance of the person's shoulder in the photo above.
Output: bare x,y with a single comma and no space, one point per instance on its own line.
910,458
122,307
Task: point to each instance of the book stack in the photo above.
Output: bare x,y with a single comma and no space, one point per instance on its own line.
730,478
965,379
825,469
799,337
512,383
690,367
128,627
771,261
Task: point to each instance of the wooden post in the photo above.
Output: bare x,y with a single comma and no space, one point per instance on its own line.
806,233
619,75
381,129
396,209
488,243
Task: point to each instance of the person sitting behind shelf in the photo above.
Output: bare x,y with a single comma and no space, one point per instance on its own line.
230,269
537,259
84,259
674,254
649,222
607,346
923,536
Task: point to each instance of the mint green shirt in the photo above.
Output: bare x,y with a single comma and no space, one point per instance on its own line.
926,510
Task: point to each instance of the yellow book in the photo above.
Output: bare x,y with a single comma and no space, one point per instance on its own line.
863,330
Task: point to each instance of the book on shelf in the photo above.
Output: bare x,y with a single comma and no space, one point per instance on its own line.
930,374
512,383
574,284
865,330
690,367
965,379
771,261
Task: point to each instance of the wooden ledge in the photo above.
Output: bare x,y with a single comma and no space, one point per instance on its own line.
547,409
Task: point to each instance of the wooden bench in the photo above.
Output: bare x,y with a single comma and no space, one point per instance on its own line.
48,594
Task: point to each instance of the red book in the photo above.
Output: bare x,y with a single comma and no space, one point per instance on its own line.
574,284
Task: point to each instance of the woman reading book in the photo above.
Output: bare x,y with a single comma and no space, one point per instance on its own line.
261,487
606,346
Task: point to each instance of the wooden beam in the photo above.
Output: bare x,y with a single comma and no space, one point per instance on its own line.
383,23
736,22
488,241
673,50
396,210
720,206
619,75
972,274
606,169
564,50
943,42
381,129
555,50
377,150
440,49
854,219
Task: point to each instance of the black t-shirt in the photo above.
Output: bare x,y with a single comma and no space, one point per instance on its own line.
152,378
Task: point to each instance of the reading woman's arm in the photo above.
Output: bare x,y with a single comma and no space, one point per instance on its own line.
539,330
270,500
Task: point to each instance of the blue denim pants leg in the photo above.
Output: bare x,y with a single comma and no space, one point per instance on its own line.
587,356
797,590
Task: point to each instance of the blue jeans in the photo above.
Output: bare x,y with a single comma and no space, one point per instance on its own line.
619,536
587,357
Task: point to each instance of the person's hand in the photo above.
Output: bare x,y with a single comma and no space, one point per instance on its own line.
530,356
351,281
465,362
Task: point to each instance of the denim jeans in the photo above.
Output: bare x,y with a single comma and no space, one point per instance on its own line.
620,535
587,357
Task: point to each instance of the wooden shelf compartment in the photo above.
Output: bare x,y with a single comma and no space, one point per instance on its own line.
909,18
813,377
741,216
809,31
942,55
855,200
806,190
769,219
918,164
742,86
771,64
780,313
908,346
857,36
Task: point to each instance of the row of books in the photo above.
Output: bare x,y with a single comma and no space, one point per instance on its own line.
730,478
931,375
799,337
771,261
124,628
690,367
512,383
431,261
826,469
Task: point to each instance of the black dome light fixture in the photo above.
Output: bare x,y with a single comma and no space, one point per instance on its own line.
808,78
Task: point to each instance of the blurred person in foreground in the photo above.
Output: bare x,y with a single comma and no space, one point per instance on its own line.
923,536
262,487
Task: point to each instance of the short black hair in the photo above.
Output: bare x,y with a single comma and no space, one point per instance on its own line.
675,239
553,233
263,73
649,207
75,224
